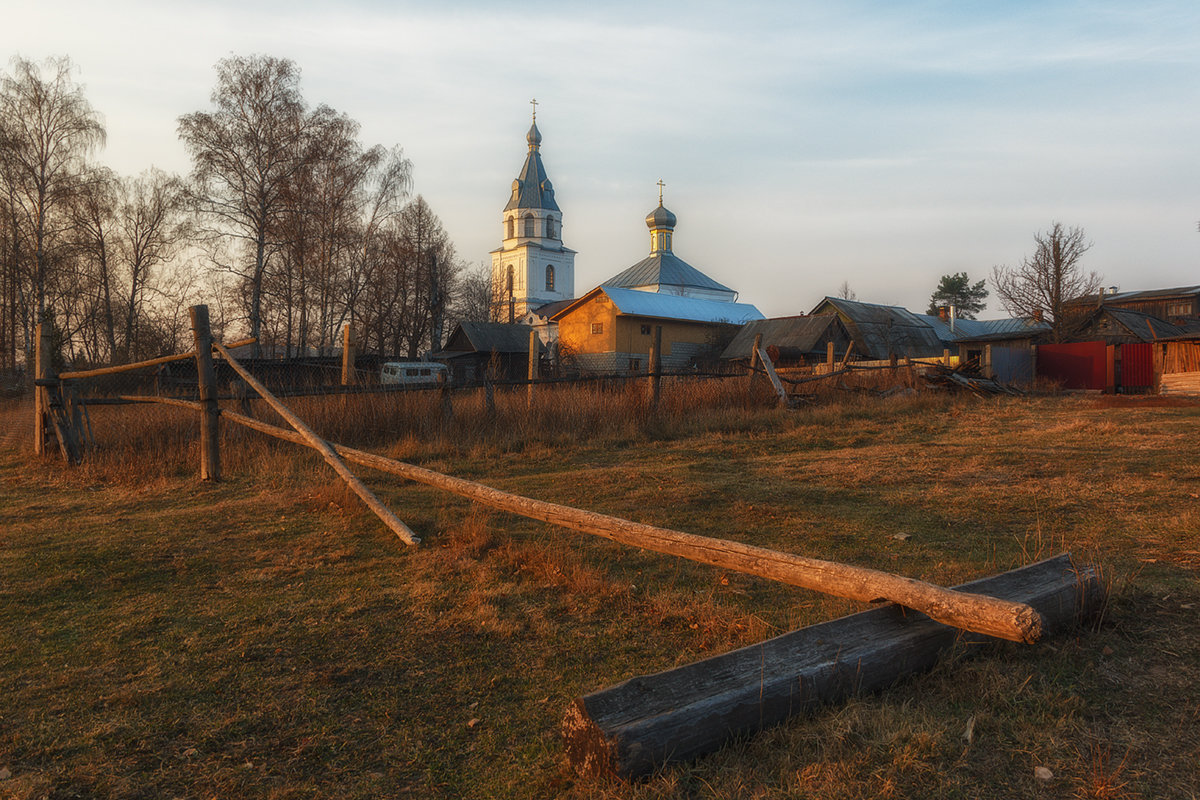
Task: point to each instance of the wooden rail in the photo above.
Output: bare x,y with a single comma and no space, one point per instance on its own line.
153,362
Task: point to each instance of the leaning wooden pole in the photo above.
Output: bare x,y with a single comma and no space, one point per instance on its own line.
974,612
320,445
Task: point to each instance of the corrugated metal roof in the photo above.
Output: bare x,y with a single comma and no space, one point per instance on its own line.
664,269
879,331
635,303
1146,294
1144,326
804,334
979,329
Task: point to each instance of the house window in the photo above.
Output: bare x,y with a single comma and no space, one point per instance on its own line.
635,365
1179,309
511,228
550,278
529,225
597,327
645,330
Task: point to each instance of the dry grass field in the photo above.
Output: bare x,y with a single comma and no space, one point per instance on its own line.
266,637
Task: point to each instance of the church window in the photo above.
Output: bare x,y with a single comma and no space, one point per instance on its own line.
510,279
550,228
550,278
597,327
529,225
511,227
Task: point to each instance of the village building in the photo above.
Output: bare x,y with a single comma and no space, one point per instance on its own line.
1179,304
493,350
532,267
609,329
796,341
664,272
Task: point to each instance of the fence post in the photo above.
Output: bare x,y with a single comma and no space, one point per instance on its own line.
210,451
829,354
42,369
349,353
533,366
654,367
754,360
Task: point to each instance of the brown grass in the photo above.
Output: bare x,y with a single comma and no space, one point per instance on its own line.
264,637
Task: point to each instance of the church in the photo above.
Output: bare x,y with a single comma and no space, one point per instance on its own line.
533,283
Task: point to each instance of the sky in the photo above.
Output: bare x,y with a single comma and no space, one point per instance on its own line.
802,144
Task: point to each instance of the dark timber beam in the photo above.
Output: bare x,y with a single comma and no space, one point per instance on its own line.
635,727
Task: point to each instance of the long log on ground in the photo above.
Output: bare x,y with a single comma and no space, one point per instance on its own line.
153,362
635,727
327,452
974,612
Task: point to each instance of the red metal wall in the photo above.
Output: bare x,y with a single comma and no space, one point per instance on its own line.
1080,365
1137,365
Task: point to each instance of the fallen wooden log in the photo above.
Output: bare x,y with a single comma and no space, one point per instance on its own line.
970,611
635,727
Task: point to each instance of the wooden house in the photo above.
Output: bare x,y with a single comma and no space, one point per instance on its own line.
609,329
1175,305
495,350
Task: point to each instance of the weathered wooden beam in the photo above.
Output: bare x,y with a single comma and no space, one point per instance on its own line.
970,611
637,726
152,362
327,452
769,367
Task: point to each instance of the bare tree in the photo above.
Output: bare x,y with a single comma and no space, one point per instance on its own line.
474,301
1044,282
245,152
47,131
845,292
152,229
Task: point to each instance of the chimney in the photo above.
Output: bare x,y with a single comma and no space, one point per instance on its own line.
1037,315
943,313
952,317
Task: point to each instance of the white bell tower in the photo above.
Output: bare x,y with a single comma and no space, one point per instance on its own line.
532,267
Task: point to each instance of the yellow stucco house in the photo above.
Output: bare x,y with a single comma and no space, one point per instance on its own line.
609,329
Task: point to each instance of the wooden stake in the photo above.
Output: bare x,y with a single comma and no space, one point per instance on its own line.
349,353
321,446
654,368
42,369
533,367
210,442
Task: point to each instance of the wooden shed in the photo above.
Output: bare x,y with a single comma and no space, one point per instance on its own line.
791,341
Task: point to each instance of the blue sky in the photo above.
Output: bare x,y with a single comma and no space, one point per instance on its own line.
802,144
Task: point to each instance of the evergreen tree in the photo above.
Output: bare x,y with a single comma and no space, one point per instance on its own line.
958,291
